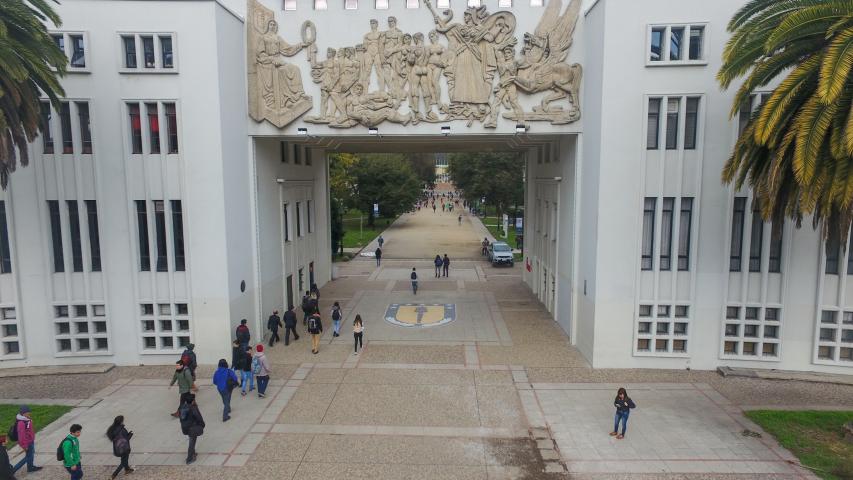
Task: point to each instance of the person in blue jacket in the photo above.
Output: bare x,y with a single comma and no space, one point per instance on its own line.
225,381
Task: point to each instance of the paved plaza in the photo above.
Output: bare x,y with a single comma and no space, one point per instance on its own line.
498,393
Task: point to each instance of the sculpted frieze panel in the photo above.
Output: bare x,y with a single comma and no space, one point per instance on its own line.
473,70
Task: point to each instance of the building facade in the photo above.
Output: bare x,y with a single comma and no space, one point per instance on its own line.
182,183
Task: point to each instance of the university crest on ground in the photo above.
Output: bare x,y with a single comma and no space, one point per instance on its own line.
420,314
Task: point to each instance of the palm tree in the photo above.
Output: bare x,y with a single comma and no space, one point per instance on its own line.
796,151
30,65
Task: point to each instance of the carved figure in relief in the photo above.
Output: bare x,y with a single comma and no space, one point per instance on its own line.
435,64
328,74
370,109
419,81
373,57
392,44
505,93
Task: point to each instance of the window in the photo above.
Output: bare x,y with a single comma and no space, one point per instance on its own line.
504,3
148,52
59,40
289,5
320,5
172,126
672,107
94,237
697,34
849,254
308,215
178,235
166,54
350,4
751,313
383,4
732,312
676,44
298,219
65,125
681,311
691,119
684,226
648,246
286,223
752,336
168,329
282,151
744,114
135,128
676,39
645,310
5,255
756,240
153,127
666,233
771,314
412,4
656,53
653,124
663,311
775,264
78,52
160,236
129,43
56,236
833,253
297,160
533,3
85,130
301,280
46,136
142,231
74,224
738,214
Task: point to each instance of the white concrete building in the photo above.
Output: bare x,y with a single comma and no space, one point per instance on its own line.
158,213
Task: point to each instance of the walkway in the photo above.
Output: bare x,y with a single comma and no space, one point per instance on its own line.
425,233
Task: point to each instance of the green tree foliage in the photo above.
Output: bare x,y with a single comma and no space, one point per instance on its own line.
424,166
499,177
388,180
337,230
30,63
341,179
796,152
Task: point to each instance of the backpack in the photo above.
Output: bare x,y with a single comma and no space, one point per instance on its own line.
60,452
414,276
312,325
306,303
121,446
336,314
256,365
13,432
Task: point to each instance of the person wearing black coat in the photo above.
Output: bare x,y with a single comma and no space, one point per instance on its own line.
236,355
192,425
623,404
118,434
290,325
273,325
242,333
6,472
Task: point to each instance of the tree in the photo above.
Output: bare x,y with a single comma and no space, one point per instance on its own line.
387,180
499,177
796,151
424,166
337,224
30,63
341,179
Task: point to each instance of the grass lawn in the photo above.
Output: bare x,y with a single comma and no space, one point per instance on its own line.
355,237
815,437
495,226
43,415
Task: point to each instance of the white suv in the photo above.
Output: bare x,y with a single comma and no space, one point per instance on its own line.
500,253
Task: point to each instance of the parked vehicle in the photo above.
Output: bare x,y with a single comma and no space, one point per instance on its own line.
500,254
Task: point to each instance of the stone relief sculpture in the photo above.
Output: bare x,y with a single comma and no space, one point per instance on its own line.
474,76
275,85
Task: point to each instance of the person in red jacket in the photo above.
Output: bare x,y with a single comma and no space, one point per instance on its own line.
26,439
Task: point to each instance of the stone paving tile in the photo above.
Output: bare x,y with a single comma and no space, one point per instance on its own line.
308,404
532,355
278,448
326,375
492,377
395,450
366,376
412,354
342,471
300,351
499,406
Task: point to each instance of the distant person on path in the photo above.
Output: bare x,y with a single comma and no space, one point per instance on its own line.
225,381
71,453
414,277
438,262
378,254
273,324
358,332
460,220
381,241
315,291
26,433
242,333
246,371
6,472
290,325
445,263
192,425
315,328
623,404
120,437
184,378
336,319
442,204
189,359
433,207
261,370
306,307
485,245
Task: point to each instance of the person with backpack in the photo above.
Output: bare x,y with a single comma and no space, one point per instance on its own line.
242,333
189,359
290,325
315,292
192,425
358,332
246,378
118,434
414,277
306,308
315,328
273,324
438,263
261,370
6,472
380,241
378,255
24,433
445,262
184,378
336,319
236,355
623,404
225,381
68,452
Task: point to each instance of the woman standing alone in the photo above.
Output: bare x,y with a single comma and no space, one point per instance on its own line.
623,404
358,332
120,437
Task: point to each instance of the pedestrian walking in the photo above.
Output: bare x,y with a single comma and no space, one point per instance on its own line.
358,332
381,241
315,328
290,325
26,432
236,354
261,370
189,360
184,379
315,291
414,277
242,333
273,324
445,263
438,262
623,404
433,207
460,220
6,472
306,308
120,437
225,380
378,254
192,425
336,319
246,378
70,448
